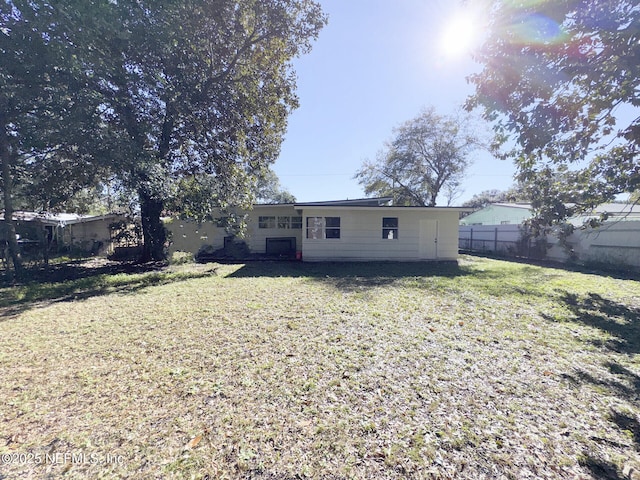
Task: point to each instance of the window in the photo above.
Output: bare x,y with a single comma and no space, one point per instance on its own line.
390,228
332,229
323,227
280,222
284,222
266,222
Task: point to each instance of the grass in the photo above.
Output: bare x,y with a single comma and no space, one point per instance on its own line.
486,369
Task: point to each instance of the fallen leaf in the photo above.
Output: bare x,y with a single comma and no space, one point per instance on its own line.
194,442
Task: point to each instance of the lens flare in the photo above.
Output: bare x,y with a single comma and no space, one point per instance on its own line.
461,35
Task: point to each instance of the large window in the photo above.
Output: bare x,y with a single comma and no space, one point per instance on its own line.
389,228
323,227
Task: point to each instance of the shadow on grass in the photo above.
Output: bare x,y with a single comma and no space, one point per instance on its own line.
600,468
620,321
352,275
81,280
605,469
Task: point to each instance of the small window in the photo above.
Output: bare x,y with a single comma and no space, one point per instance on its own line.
284,222
323,227
266,222
296,222
389,228
505,222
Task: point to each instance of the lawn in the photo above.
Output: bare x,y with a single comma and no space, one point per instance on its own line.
484,369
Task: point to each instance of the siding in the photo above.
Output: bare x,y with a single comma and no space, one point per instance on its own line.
256,237
361,235
189,236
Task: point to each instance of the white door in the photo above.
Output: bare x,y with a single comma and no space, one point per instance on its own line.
428,239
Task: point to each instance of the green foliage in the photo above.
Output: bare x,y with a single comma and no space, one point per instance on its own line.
514,194
269,190
167,90
426,157
561,82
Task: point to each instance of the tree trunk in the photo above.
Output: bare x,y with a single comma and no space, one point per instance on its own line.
153,232
7,184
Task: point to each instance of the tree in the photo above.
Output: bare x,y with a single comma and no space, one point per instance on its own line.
269,190
426,155
561,81
516,193
227,90
181,89
39,100
485,198
194,88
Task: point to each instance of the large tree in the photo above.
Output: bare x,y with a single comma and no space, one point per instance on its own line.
181,89
199,87
561,81
426,157
45,113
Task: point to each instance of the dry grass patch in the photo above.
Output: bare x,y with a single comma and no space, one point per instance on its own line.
485,369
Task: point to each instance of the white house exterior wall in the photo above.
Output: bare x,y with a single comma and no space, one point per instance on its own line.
189,236
257,237
361,234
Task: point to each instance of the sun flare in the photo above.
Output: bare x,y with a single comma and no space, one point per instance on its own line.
460,35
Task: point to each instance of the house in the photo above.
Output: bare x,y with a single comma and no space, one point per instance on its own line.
89,233
347,230
499,214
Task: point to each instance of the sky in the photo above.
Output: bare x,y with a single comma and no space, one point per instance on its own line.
375,65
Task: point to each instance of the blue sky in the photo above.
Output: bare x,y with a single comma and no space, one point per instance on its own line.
375,65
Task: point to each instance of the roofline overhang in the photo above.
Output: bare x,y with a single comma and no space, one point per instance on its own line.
303,206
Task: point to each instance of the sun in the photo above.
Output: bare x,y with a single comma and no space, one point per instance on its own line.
461,35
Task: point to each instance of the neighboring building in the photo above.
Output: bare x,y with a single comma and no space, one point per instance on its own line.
516,213
89,233
349,230
499,214
623,212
